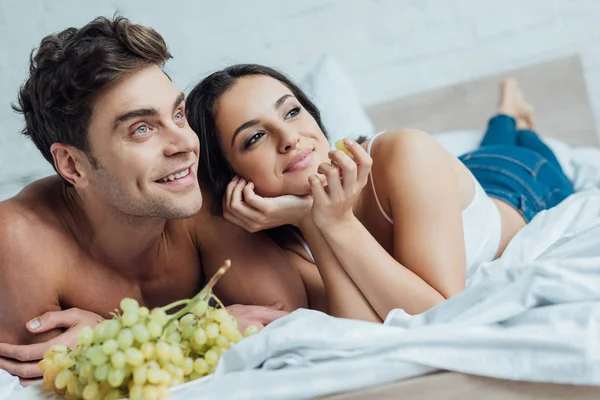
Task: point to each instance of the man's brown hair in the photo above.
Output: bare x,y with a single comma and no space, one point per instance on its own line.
71,68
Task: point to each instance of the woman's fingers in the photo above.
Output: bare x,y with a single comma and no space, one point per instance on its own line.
347,166
362,160
334,182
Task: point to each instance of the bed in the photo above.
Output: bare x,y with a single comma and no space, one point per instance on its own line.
557,89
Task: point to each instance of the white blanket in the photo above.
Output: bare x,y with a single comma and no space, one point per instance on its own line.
532,315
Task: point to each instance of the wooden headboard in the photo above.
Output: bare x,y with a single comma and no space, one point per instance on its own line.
556,89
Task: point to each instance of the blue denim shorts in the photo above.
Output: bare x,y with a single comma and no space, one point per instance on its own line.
520,177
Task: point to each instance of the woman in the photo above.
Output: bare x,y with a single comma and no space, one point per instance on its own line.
395,223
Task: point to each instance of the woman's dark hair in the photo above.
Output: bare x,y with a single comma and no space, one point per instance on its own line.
214,170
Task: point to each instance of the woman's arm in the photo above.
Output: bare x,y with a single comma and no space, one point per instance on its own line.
344,298
413,173
246,209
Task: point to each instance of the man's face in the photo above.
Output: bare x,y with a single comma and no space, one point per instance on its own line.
146,154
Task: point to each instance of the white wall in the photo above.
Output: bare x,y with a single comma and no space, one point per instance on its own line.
390,48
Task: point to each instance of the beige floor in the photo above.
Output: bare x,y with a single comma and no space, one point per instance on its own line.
556,89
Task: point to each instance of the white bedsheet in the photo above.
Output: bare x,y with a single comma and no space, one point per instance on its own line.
532,315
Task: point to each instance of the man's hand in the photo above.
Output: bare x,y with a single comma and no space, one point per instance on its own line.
258,316
22,360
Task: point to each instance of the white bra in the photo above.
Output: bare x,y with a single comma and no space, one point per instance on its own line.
482,224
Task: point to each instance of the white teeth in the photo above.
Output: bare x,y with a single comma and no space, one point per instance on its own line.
178,175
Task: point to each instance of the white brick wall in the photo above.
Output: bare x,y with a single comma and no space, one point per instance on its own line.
390,48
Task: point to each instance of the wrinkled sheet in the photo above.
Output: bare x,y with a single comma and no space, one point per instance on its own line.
532,315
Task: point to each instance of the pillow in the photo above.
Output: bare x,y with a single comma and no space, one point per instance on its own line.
332,91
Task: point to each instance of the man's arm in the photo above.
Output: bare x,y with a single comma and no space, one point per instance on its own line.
261,273
28,277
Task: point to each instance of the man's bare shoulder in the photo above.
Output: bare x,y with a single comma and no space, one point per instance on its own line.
30,259
32,213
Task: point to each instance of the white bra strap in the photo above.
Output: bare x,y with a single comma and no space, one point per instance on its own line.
390,220
304,244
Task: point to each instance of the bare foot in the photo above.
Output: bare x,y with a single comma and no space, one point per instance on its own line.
513,104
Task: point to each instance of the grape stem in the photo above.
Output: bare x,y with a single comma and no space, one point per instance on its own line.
206,291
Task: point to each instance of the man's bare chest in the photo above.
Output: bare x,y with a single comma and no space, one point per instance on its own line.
99,288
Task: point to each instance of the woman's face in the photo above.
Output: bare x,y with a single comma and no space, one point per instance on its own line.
268,137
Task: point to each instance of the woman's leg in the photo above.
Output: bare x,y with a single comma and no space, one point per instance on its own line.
513,113
529,139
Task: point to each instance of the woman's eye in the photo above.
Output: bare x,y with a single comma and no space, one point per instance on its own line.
141,130
293,112
179,116
252,139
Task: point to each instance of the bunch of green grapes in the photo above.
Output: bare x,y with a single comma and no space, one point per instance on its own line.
141,353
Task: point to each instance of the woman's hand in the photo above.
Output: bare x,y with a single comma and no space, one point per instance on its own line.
243,207
22,360
346,177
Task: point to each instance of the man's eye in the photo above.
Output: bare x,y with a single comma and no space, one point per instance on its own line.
141,130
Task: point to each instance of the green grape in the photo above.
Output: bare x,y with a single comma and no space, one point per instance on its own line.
174,337
199,336
187,319
188,366
100,332
187,331
85,337
212,330
143,312
101,372
154,329
58,348
221,315
91,391
86,370
176,354
163,351
116,377
140,333
211,357
113,327
64,361
154,375
62,379
113,395
125,339
200,308
228,330
150,392
163,392
110,346
153,364
136,392
96,355
129,318
134,357
222,341
117,359
251,330
147,350
165,378
160,316
140,375
129,304
200,366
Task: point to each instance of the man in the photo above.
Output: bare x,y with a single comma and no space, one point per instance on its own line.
123,217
